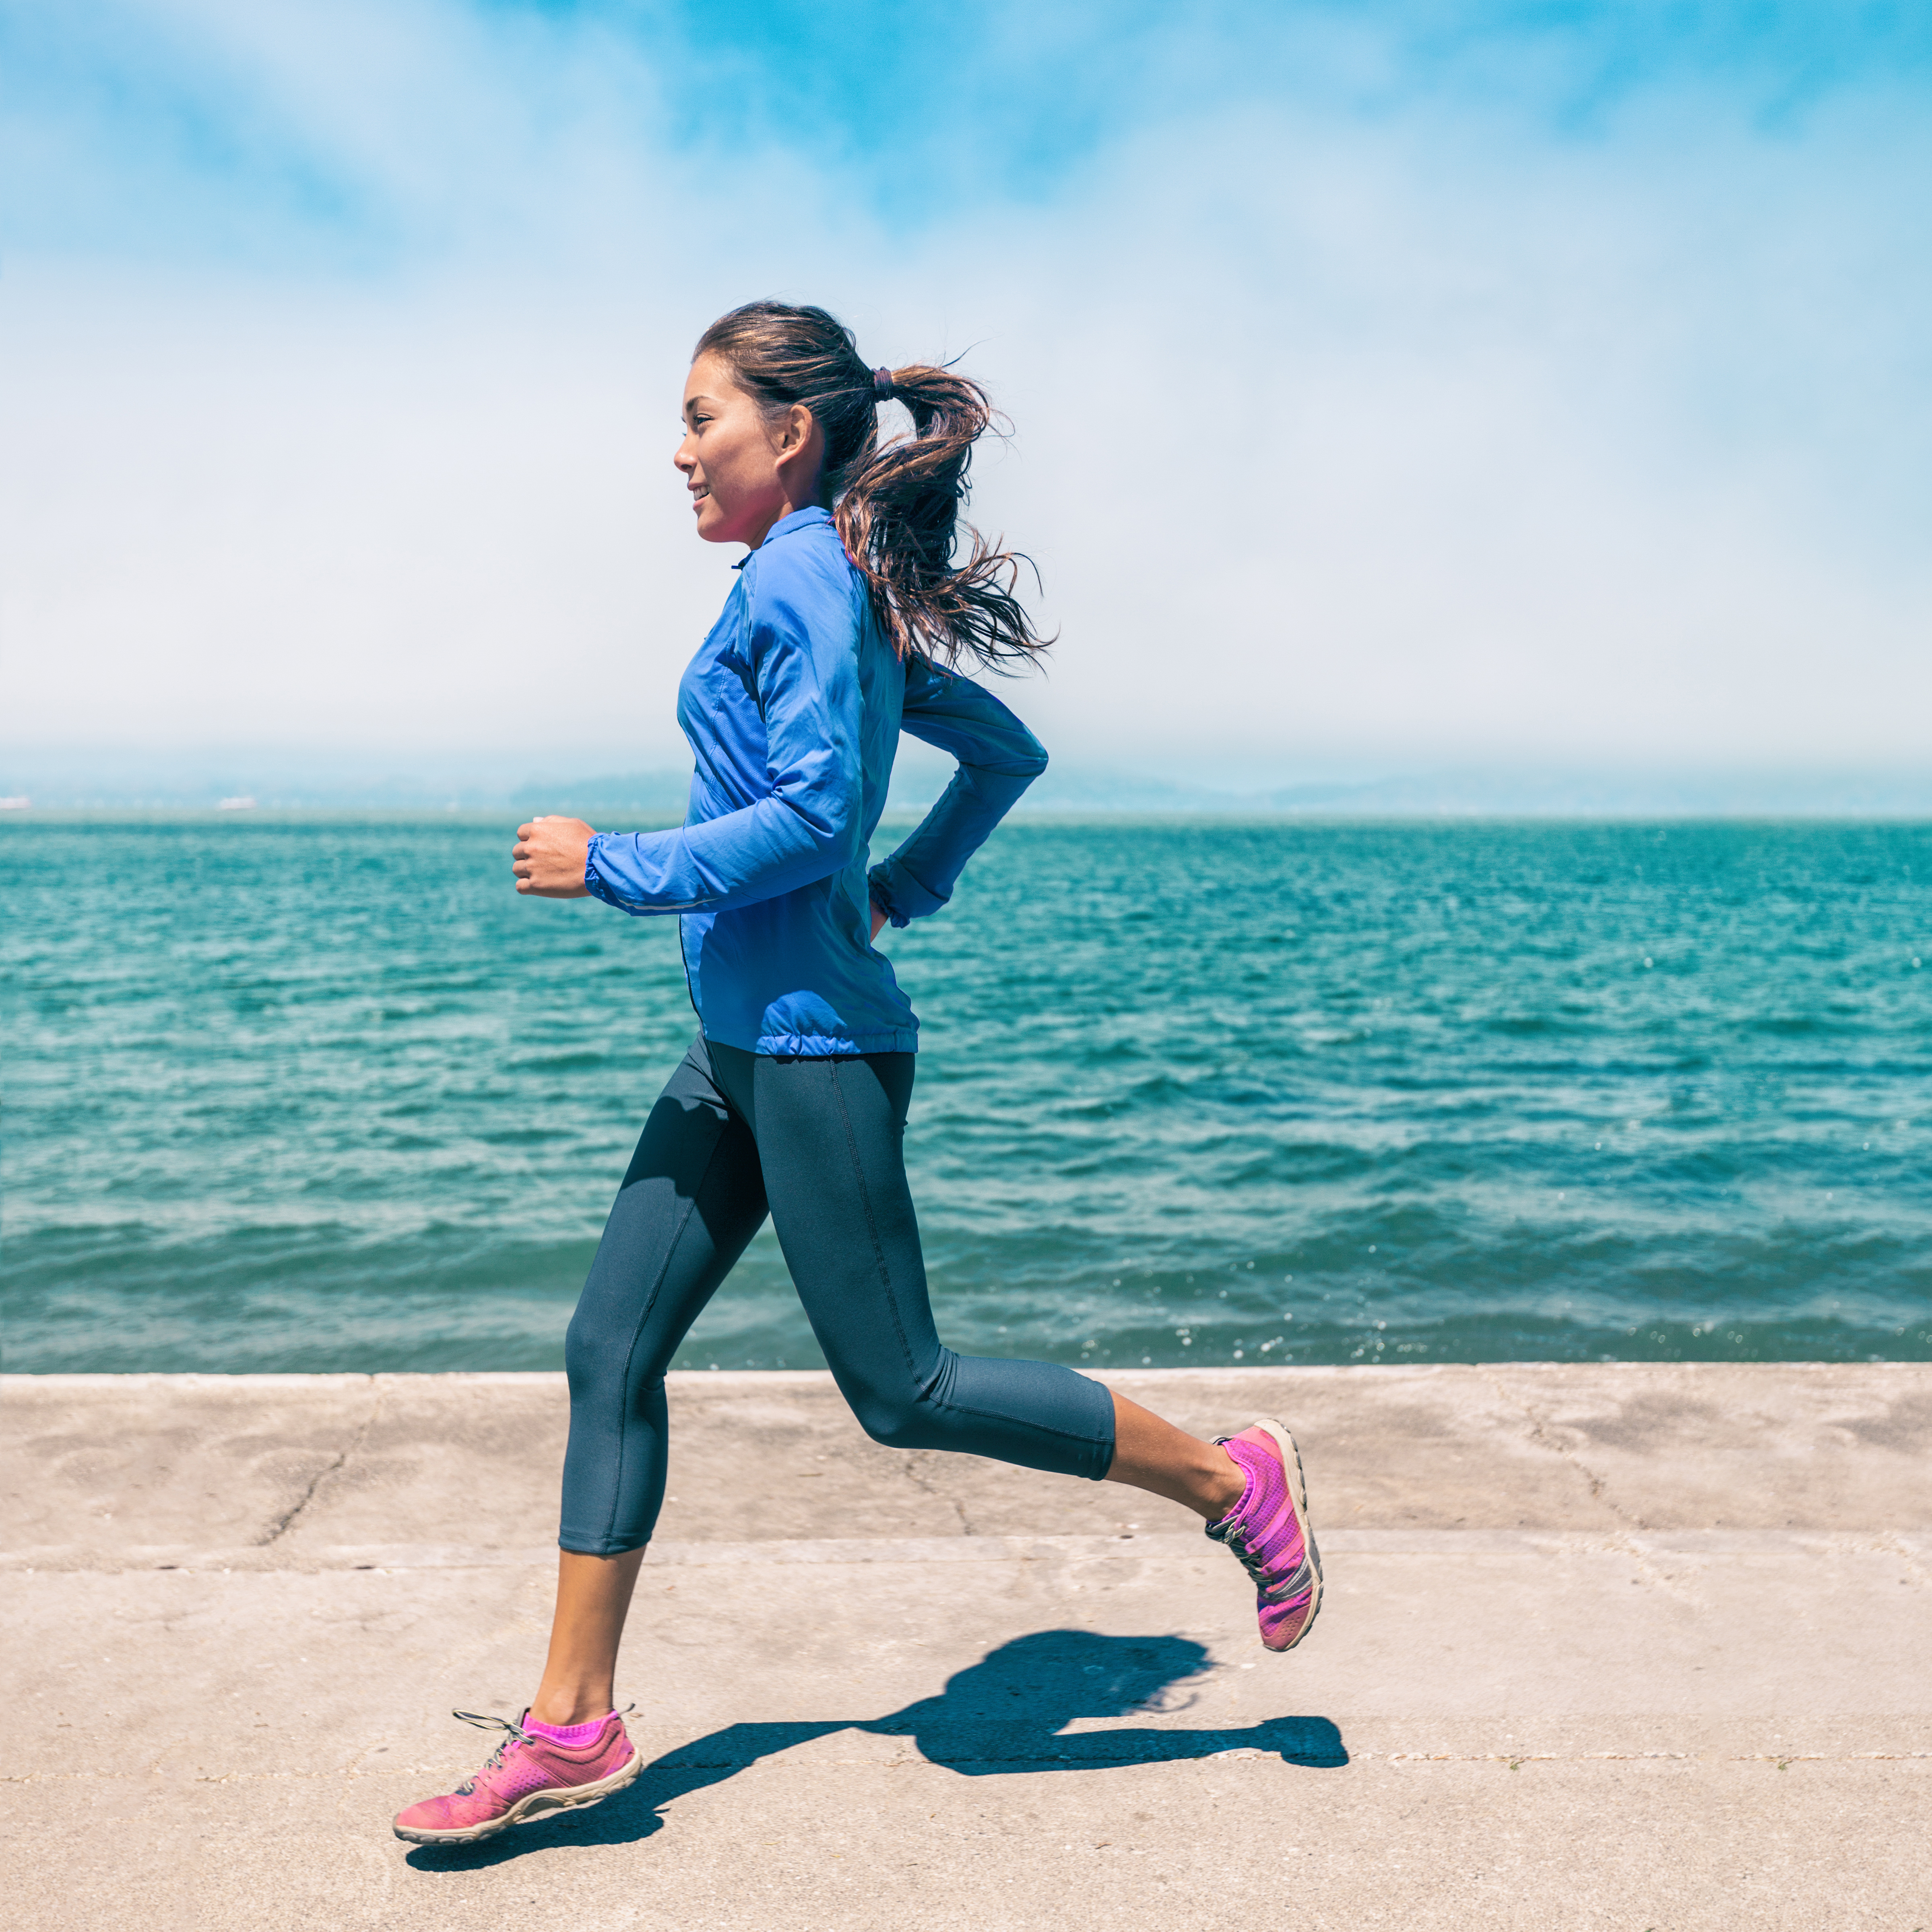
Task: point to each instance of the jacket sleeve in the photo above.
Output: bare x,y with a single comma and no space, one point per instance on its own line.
999,757
802,644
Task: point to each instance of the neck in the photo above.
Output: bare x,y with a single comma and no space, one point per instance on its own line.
788,504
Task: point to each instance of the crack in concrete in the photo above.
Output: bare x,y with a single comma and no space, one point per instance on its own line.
1540,1435
1600,1492
1897,1546
914,1470
322,1475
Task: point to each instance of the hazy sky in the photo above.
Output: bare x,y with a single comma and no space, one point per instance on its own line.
1392,383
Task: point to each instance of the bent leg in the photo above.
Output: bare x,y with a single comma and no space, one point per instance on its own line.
691,1199
831,1142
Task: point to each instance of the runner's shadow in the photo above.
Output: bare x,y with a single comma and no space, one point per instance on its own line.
1005,1714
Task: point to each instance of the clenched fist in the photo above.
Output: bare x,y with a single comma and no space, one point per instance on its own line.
549,855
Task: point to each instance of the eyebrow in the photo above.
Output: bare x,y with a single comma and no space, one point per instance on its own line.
691,402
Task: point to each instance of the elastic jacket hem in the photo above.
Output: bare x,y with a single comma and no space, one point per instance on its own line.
826,1045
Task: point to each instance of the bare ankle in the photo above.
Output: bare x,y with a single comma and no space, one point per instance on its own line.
570,1704
1225,1487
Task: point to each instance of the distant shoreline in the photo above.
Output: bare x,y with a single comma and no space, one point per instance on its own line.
648,819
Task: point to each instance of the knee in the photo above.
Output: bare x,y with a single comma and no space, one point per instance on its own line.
595,1370
898,1418
581,1355
897,1427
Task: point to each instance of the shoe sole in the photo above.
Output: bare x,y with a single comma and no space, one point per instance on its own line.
1297,1496
534,1805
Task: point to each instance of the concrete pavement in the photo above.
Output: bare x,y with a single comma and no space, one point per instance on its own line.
1615,1646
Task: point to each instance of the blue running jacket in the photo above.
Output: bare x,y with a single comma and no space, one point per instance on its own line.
793,706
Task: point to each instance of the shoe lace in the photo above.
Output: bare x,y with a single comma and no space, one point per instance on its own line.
518,1735
1276,1589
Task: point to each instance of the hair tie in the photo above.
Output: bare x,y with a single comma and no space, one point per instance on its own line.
882,385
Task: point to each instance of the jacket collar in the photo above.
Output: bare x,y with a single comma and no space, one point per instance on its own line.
799,519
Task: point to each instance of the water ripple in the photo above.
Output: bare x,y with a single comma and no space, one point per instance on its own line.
309,1094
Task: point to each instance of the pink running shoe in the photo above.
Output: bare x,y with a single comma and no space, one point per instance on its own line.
1267,1529
526,1777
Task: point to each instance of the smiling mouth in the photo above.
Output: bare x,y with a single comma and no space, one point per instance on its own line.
699,491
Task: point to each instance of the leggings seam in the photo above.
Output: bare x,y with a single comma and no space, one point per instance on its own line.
638,1329
1011,1421
872,1229
925,1386
1019,1422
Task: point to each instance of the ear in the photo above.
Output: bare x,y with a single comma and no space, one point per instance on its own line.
797,431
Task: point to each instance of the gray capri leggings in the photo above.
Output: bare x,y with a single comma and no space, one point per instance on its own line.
819,1144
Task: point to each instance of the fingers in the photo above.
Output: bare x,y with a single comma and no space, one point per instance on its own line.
549,864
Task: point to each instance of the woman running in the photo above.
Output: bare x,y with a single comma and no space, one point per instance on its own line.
848,622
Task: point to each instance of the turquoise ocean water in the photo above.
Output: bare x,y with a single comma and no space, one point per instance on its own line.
307,1094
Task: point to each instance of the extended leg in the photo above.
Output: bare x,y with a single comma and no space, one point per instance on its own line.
593,1596
692,1198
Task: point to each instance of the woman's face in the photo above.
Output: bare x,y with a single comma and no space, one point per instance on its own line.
743,472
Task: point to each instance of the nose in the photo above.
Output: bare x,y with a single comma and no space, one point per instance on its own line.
683,458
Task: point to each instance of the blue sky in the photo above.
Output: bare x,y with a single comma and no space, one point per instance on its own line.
155,127
1522,382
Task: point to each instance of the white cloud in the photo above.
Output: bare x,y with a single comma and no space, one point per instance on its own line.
1415,438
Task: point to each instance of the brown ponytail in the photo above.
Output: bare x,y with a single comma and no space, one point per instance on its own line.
897,507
